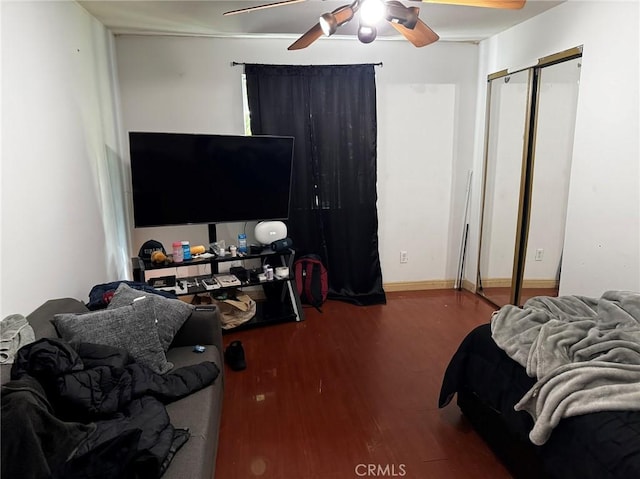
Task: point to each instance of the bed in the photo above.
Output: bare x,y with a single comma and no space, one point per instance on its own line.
554,387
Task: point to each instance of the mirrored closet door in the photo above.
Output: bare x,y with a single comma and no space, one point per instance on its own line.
556,117
507,121
530,125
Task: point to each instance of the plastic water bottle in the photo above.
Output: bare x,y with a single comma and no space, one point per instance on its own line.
242,243
186,250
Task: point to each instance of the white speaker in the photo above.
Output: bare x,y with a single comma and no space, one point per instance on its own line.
266,232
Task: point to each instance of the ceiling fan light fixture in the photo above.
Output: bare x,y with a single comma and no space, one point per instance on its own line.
328,24
405,16
372,12
367,33
411,17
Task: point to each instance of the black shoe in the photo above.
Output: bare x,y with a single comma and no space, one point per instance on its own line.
234,356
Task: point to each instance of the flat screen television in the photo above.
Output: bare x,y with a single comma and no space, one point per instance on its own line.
180,178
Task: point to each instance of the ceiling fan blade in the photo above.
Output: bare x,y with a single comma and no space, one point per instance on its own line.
508,4
421,35
262,7
307,39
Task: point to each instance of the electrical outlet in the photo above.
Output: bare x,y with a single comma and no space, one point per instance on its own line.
404,257
539,254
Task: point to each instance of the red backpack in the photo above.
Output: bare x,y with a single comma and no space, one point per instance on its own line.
312,280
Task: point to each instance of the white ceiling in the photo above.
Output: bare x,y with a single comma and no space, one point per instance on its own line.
451,22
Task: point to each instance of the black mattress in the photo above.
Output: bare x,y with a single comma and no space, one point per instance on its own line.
489,383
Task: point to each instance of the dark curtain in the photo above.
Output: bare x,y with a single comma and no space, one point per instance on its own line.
331,112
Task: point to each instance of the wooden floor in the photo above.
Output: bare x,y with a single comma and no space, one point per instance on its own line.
354,386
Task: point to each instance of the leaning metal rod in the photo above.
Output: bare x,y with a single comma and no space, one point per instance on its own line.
465,230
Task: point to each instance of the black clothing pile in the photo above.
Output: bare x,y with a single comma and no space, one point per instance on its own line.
88,410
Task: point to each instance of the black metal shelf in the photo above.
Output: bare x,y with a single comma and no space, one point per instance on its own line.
142,266
192,289
282,303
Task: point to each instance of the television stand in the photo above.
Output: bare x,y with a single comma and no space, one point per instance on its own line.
281,301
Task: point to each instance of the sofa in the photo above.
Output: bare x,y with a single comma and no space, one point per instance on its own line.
199,412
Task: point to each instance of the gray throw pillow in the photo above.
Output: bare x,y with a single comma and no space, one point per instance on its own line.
170,313
131,328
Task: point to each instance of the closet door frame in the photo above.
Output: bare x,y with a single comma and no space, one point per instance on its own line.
527,167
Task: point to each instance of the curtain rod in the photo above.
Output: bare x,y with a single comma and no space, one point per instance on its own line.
379,64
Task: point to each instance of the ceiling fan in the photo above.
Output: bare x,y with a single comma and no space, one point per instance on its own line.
404,19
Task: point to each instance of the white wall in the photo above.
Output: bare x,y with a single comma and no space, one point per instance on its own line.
60,156
602,243
426,112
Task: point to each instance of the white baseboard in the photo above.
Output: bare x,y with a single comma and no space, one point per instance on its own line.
418,285
466,284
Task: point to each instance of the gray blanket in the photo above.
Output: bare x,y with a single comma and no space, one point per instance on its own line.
584,352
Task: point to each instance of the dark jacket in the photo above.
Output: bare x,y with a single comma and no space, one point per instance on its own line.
123,401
